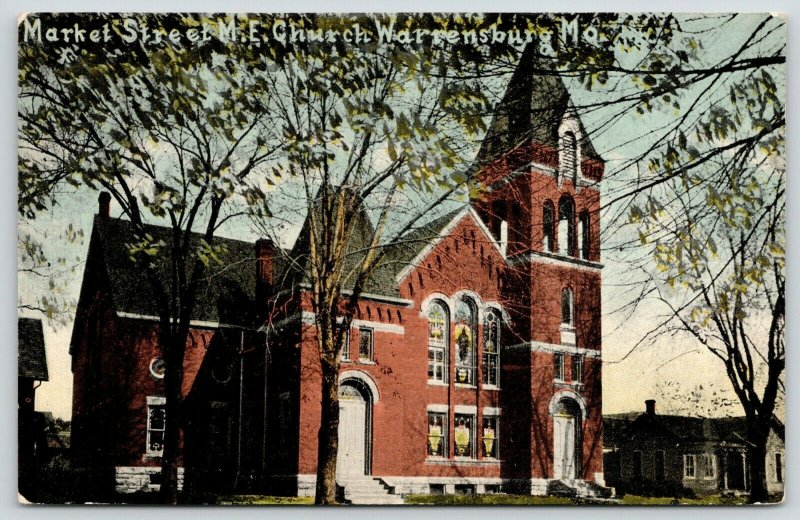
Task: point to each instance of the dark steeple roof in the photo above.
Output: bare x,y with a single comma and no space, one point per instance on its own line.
32,360
531,110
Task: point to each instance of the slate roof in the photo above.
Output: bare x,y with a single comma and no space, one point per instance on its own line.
32,359
226,293
532,109
396,255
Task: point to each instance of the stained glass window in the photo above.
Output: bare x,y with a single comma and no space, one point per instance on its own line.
437,434
464,436
491,348
465,330
489,437
156,424
438,323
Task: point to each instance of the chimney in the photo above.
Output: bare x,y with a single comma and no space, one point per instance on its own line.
104,201
265,254
650,406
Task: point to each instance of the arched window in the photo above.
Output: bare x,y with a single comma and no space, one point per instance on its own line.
548,230
438,325
566,226
567,307
491,348
465,332
569,147
583,232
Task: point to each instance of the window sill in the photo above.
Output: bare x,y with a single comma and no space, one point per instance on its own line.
490,387
461,461
465,385
365,362
434,382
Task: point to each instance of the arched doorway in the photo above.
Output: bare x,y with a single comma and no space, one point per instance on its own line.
566,439
355,432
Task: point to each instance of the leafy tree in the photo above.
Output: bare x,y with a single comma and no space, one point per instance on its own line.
172,132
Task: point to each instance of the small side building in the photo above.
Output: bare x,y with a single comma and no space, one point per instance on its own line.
668,455
31,371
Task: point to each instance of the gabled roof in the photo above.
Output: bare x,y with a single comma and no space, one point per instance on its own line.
532,109
226,294
32,359
623,427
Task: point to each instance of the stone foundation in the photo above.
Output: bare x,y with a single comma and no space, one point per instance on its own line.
134,479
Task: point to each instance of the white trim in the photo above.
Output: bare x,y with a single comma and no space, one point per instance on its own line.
308,318
466,409
541,257
499,308
570,394
438,408
491,410
540,346
431,245
369,296
192,323
446,231
155,399
436,296
364,378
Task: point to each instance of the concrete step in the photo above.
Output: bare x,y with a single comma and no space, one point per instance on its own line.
367,490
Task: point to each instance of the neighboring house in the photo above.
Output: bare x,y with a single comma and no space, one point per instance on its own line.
473,364
31,371
652,454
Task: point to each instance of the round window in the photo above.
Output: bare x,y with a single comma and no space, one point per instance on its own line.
158,367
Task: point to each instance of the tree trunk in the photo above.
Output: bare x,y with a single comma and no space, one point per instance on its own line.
173,378
757,437
328,434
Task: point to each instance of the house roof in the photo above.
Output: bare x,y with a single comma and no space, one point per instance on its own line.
532,109
396,256
225,295
631,427
32,359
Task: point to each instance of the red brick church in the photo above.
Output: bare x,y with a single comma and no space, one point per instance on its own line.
473,365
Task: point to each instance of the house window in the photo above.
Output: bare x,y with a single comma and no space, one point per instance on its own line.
569,147
365,346
156,424
689,464
549,230
583,232
437,434
490,437
558,366
778,467
577,368
491,348
566,226
709,466
464,436
659,469
465,330
438,323
567,306
637,464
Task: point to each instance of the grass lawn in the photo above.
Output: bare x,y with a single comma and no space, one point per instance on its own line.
487,500
262,500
